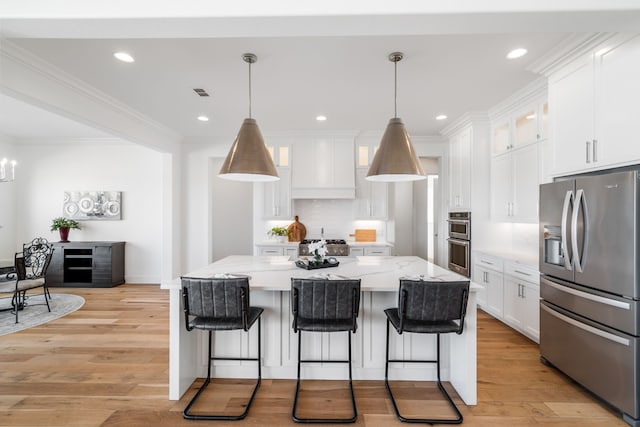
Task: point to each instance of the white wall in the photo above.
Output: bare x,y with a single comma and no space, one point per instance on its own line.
7,201
47,170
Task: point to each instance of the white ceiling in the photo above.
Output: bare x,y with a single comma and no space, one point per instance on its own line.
301,72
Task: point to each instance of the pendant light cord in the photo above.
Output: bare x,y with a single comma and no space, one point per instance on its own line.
249,89
395,89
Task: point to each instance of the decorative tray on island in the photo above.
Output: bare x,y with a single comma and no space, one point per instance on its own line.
329,262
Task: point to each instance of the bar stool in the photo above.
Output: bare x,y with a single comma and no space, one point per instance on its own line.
426,307
322,305
220,305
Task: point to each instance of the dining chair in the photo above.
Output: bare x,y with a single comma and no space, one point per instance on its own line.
323,305
220,305
30,269
427,307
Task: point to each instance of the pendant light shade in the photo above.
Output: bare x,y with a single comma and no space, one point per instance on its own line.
396,158
248,158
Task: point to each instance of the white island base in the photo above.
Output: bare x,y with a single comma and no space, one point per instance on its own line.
270,283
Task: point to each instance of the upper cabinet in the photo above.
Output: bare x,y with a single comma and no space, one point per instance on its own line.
460,170
526,126
371,197
277,194
323,168
594,105
515,164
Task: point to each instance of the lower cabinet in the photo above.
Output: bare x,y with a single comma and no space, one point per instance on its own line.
86,264
369,251
291,251
511,294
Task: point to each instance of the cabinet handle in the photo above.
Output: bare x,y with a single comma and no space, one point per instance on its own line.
521,272
588,151
595,150
522,291
519,290
486,262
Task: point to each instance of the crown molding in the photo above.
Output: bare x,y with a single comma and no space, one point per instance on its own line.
531,93
54,74
472,118
70,141
570,49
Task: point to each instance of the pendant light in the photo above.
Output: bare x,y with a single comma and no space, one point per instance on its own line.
396,159
248,158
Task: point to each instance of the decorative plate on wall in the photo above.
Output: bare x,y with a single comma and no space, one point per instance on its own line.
92,205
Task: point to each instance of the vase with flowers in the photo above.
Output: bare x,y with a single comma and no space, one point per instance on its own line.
318,250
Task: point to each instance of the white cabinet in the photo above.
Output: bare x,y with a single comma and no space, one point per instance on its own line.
277,196
371,197
511,294
377,251
373,250
488,273
522,300
279,250
460,170
323,168
594,105
514,185
527,125
356,251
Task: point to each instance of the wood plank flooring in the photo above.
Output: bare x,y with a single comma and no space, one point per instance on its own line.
107,365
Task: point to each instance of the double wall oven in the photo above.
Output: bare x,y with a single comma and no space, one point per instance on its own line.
459,242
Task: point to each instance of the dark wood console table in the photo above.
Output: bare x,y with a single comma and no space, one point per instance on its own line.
87,264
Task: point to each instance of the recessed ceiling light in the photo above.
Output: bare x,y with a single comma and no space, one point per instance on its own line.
441,117
321,118
124,57
531,116
517,53
203,118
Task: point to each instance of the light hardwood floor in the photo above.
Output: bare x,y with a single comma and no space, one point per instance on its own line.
107,365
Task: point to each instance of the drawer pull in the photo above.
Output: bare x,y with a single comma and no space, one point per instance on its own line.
522,272
486,262
586,328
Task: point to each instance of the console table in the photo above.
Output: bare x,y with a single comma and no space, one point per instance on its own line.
86,264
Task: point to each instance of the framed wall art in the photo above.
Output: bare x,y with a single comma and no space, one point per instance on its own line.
92,205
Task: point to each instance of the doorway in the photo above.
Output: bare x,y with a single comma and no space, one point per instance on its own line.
426,199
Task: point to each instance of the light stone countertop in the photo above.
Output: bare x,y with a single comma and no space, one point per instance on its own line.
526,259
273,273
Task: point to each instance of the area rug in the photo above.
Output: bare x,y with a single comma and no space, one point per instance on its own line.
36,313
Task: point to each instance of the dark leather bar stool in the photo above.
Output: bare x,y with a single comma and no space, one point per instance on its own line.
220,305
321,305
426,307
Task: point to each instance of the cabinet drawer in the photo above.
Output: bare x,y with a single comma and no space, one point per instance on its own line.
356,251
271,251
487,261
522,273
376,251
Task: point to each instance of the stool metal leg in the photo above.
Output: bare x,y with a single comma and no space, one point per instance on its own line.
457,420
298,419
189,416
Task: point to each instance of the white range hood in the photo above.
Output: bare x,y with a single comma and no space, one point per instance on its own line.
323,169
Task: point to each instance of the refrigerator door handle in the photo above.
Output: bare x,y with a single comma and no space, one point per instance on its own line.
591,297
563,229
578,204
586,328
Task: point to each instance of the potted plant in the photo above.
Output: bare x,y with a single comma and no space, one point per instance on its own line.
280,233
63,225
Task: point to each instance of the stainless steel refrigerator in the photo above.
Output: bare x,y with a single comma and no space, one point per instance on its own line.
590,289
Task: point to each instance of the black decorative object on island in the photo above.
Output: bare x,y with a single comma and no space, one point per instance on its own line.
310,265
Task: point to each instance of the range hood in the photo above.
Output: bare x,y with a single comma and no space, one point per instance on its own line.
323,169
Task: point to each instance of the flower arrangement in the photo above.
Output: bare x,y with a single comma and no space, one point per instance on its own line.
319,250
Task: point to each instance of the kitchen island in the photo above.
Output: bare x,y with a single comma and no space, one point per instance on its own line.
270,281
